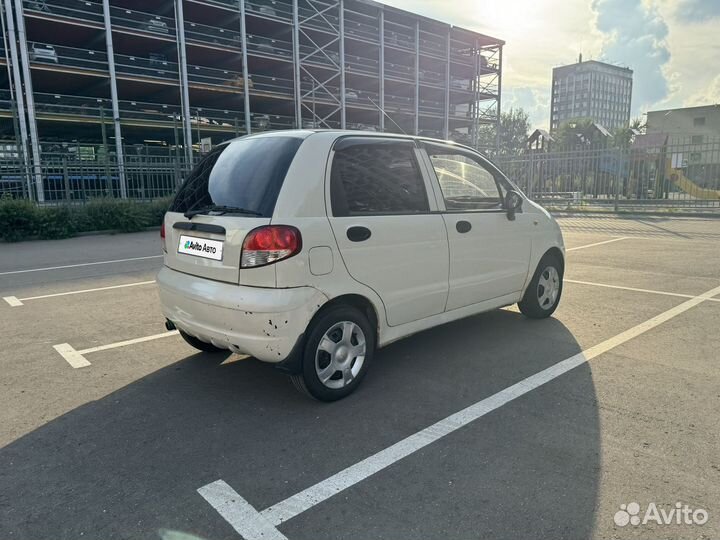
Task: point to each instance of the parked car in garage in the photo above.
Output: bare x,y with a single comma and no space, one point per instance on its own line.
264,44
43,53
157,26
238,81
261,121
157,59
267,10
331,244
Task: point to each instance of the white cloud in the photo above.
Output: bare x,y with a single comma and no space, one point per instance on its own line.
705,96
692,71
636,36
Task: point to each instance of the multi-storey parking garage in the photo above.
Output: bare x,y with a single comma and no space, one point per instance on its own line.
125,76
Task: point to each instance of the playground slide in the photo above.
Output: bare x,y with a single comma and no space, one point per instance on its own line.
678,178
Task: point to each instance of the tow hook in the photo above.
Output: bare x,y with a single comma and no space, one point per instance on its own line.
169,324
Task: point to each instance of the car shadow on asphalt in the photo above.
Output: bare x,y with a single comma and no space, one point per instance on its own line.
129,464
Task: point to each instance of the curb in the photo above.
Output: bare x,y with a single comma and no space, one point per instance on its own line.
634,215
114,231
109,232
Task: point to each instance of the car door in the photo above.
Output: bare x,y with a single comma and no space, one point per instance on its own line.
489,253
389,233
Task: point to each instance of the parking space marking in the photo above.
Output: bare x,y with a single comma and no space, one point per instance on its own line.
598,243
254,524
239,513
79,265
635,289
71,356
14,301
77,358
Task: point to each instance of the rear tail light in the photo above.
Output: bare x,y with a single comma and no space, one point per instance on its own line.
162,235
269,244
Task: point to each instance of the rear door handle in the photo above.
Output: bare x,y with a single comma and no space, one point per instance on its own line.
463,226
358,234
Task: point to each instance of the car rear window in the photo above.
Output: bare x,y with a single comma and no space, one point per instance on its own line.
246,173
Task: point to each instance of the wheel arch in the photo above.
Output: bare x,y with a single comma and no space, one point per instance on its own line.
557,253
549,250
293,363
357,301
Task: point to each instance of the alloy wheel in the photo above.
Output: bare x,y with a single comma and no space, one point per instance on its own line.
548,287
340,354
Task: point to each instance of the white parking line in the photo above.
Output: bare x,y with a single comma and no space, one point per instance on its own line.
239,513
598,243
253,525
77,358
73,357
635,289
14,301
78,265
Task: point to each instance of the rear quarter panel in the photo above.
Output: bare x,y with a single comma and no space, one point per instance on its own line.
301,203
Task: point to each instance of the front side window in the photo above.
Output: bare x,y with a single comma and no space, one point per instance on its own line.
465,183
376,177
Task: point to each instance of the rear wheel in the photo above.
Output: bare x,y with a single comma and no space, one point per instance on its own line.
337,354
543,294
199,344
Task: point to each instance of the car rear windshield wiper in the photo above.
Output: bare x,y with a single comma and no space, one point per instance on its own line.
219,209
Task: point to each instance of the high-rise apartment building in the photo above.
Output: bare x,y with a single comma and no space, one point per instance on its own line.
591,90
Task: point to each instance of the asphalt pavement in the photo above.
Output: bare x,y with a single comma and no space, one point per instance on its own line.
493,427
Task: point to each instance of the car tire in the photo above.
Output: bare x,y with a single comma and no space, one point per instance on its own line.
338,350
543,294
199,344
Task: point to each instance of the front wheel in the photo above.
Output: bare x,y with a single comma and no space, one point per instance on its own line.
337,353
543,294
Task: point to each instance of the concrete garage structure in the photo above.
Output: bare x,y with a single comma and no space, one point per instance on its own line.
81,74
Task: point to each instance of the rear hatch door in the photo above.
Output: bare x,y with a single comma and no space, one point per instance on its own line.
230,192
209,245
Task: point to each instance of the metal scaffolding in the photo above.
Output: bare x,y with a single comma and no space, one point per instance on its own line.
220,68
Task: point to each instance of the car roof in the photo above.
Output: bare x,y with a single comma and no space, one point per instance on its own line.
304,133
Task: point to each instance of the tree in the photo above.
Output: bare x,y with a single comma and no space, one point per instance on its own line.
622,137
572,134
514,132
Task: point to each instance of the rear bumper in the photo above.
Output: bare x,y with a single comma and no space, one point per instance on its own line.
262,322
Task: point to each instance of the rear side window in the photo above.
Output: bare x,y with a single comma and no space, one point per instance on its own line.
246,174
376,178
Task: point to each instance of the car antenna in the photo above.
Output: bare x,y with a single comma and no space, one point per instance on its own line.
386,114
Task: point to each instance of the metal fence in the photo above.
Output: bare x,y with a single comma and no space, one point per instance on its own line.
684,175
66,178
638,176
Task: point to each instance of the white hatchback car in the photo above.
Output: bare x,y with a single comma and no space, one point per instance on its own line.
310,249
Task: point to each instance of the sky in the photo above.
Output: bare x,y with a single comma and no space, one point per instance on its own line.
673,46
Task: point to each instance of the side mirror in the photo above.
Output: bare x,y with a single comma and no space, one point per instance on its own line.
513,203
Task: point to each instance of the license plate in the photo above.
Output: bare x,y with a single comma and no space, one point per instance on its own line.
201,247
